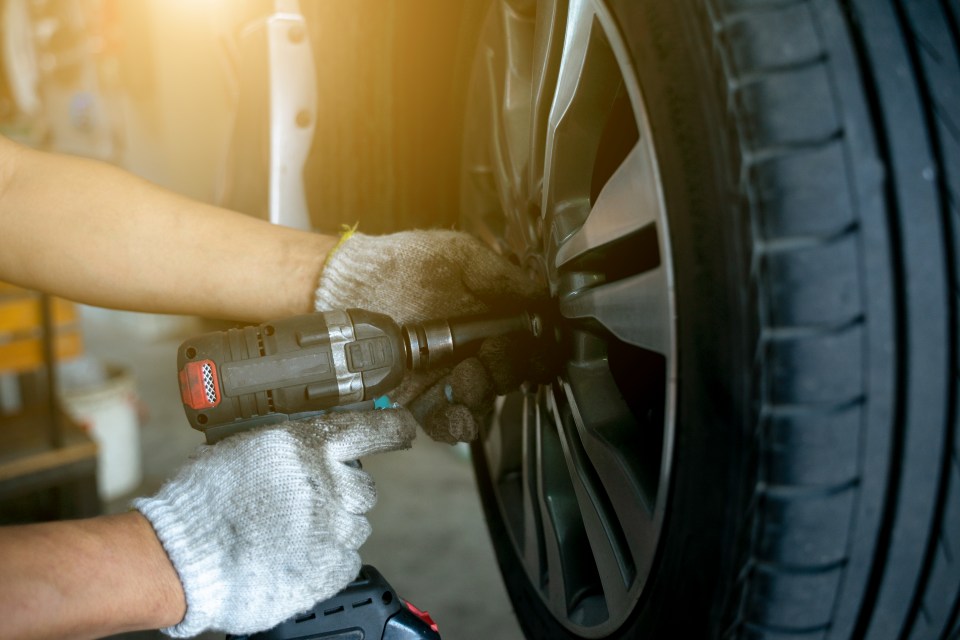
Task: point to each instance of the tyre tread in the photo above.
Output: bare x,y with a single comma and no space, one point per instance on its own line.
774,154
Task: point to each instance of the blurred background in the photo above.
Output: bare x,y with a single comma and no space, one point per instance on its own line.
179,92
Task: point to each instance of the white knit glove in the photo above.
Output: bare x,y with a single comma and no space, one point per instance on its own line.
266,523
414,276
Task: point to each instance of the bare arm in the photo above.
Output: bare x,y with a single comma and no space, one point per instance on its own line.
93,233
86,579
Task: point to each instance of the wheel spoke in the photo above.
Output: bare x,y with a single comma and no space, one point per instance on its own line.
573,77
547,48
624,453
634,309
503,172
492,438
503,450
610,553
629,502
614,439
518,35
587,84
486,219
627,204
565,539
508,89
556,511
533,525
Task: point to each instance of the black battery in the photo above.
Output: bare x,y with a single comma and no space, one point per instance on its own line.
367,609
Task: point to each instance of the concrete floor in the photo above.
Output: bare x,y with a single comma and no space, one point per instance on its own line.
429,536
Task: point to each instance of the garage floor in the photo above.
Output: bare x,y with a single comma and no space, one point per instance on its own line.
429,538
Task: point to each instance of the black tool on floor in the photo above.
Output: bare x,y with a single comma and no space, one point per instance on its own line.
368,609
240,378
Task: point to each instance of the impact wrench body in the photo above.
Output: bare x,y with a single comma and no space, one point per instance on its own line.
240,378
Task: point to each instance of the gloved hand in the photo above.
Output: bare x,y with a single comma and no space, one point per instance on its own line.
266,523
414,276
451,405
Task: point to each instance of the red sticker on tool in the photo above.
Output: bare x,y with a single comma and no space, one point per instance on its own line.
423,615
200,385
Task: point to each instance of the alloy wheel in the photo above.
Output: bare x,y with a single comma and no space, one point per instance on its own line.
560,175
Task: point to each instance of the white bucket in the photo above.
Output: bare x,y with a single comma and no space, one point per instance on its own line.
106,405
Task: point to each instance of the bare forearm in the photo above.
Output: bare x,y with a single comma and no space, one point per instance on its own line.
86,579
93,233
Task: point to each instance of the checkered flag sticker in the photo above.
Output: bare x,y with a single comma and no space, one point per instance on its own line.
209,385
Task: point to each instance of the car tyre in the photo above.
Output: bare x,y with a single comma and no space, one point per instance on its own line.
776,415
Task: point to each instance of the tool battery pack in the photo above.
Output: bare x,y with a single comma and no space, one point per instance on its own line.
367,609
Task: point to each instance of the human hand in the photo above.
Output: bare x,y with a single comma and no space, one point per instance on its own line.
266,523
451,404
414,276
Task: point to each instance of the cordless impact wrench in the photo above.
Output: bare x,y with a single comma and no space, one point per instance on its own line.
233,380
237,379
